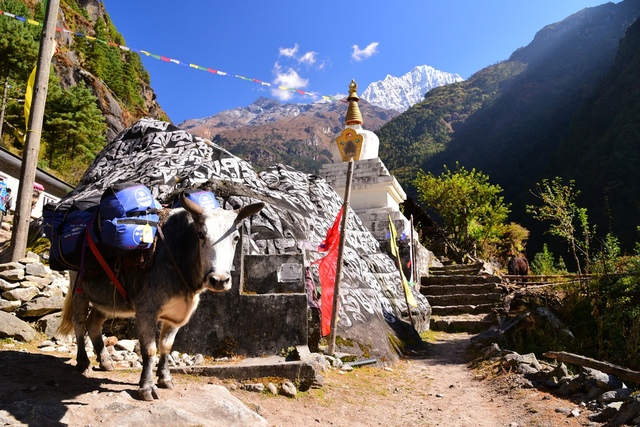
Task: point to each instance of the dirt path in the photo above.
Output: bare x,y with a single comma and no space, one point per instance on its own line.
435,391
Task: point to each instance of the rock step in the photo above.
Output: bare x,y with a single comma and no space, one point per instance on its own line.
449,310
456,279
467,269
481,288
462,323
454,276
463,299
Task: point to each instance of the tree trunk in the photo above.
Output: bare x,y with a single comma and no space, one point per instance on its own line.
605,367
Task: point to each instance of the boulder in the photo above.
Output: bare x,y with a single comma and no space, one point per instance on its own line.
48,324
12,275
7,286
593,377
615,395
12,327
39,307
40,281
20,294
205,405
11,266
629,411
36,269
9,306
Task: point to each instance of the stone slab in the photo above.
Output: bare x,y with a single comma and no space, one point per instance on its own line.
302,372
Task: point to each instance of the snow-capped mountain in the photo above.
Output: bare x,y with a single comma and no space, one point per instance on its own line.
400,93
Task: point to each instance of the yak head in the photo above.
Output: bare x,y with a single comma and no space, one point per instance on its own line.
218,236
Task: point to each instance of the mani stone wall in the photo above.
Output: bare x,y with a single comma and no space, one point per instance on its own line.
262,319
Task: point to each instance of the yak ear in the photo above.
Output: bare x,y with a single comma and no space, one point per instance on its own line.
190,206
248,210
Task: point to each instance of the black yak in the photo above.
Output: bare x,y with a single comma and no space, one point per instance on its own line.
195,254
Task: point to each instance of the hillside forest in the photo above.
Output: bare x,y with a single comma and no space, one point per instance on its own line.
94,90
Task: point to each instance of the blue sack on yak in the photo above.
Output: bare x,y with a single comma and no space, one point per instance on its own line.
65,225
203,198
128,216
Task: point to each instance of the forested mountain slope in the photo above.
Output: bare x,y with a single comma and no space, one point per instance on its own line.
96,89
531,117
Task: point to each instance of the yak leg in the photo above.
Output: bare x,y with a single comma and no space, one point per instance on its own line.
94,328
80,313
146,326
167,335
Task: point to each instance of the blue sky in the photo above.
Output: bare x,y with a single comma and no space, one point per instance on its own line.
317,46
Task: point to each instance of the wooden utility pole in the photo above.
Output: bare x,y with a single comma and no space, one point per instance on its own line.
343,234
414,259
34,128
4,102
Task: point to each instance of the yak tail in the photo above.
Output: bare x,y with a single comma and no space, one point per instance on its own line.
66,323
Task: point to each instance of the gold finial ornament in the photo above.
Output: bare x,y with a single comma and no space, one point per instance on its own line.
353,87
354,117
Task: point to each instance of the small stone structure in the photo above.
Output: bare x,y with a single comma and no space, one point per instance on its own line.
264,315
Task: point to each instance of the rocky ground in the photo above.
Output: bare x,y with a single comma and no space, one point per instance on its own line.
439,390
40,388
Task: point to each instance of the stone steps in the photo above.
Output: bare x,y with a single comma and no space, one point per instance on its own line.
461,299
433,288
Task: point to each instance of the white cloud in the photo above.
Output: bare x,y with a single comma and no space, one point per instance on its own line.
360,54
287,68
308,58
289,78
289,51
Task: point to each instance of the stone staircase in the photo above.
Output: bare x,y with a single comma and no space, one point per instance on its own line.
461,299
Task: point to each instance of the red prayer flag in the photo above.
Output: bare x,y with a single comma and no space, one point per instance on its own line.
327,266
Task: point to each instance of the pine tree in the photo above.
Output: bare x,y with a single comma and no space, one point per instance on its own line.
18,43
74,129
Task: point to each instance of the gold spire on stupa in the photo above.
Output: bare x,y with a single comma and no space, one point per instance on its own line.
354,117
350,141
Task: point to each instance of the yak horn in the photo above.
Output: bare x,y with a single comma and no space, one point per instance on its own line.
192,207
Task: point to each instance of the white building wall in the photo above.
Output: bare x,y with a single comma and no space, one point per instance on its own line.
14,183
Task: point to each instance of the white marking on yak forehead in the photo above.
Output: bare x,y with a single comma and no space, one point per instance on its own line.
219,224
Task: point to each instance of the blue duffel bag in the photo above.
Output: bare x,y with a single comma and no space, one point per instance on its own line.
65,225
204,198
128,217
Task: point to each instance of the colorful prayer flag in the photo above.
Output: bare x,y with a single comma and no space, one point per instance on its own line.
167,59
327,266
396,253
28,95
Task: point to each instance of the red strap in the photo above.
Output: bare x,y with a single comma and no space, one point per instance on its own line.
104,264
77,285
